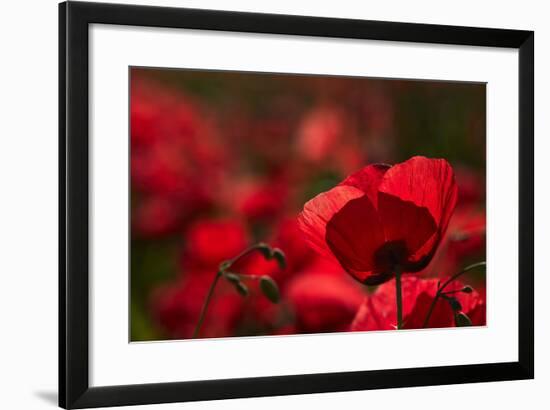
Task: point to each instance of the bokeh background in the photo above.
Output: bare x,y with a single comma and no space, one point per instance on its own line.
221,160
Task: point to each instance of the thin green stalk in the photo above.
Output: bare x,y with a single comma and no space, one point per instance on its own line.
441,288
246,276
431,309
398,297
223,270
227,266
244,253
205,305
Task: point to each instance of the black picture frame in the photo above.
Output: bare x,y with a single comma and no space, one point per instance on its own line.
74,195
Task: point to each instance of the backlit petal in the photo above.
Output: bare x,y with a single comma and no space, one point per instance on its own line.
426,183
368,180
354,234
416,201
318,212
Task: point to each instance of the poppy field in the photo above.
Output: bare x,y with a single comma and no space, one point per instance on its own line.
279,204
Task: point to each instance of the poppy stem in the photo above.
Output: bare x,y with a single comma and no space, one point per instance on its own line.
398,297
205,305
440,289
223,269
244,253
246,276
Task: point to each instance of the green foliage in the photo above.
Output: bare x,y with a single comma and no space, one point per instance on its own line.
151,264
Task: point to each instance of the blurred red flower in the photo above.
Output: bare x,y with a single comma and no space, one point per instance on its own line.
256,264
467,231
176,307
259,200
463,243
211,241
378,311
176,156
382,217
263,201
323,302
327,138
319,132
155,216
289,238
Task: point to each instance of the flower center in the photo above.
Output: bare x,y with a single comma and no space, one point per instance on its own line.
391,254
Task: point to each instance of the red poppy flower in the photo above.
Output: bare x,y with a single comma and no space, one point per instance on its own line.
323,302
378,311
383,217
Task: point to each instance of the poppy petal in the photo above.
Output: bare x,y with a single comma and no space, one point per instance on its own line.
427,183
368,180
354,234
324,302
379,312
424,191
405,224
318,212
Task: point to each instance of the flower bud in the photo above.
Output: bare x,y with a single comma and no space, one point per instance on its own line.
232,277
265,250
461,320
269,288
279,257
241,288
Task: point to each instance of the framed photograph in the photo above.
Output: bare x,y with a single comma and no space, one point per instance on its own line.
256,204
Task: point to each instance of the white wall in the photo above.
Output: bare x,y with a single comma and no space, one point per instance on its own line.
28,202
